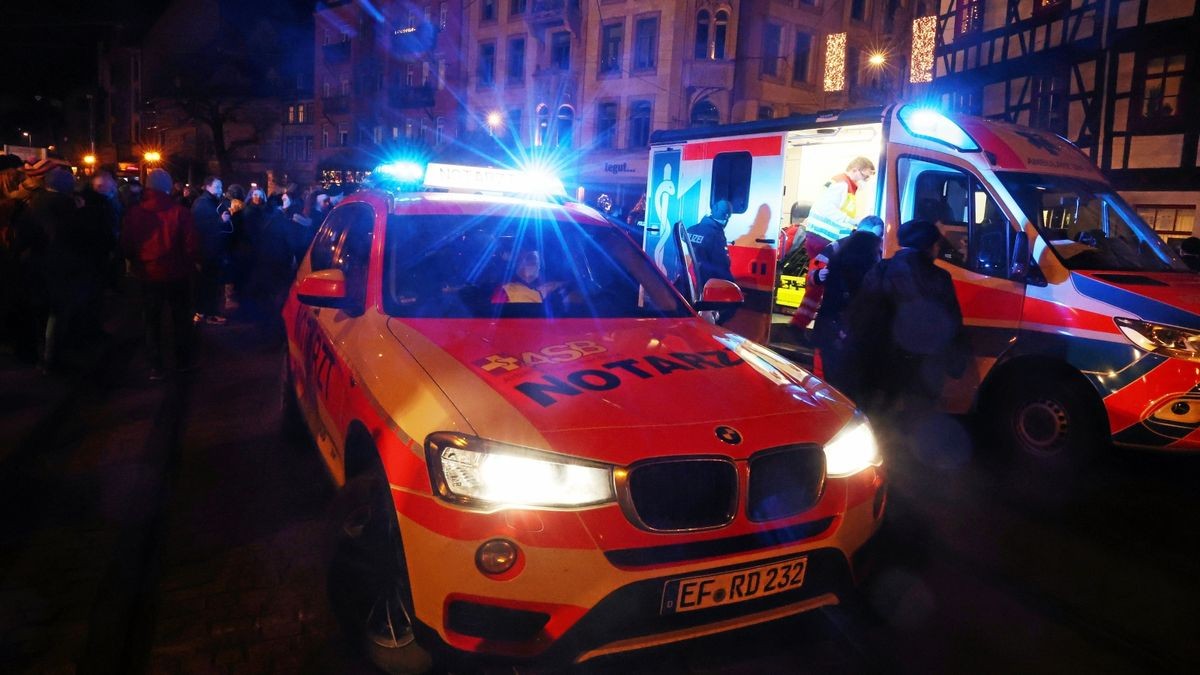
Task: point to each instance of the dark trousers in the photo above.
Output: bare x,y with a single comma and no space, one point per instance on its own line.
172,298
210,291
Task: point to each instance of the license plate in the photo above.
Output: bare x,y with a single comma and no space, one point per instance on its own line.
692,593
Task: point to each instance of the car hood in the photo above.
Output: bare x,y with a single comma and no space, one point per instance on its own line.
1171,298
616,389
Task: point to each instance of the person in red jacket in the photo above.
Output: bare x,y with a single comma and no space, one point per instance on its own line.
160,241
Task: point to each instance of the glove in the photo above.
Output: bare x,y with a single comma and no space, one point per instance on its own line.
822,274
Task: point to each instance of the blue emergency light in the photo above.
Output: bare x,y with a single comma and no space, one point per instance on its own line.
533,181
932,125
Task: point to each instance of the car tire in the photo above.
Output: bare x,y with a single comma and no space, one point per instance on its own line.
1051,420
368,578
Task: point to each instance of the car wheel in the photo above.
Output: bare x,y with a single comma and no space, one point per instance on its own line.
368,577
1051,419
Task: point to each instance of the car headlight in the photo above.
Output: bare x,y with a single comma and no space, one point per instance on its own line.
852,449
486,474
1167,340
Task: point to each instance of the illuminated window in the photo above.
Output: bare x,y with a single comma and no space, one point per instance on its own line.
639,124
924,40
1177,221
801,57
835,62
541,135
1159,85
1041,7
771,37
968,16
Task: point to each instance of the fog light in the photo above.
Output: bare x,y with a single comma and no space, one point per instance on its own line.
496,556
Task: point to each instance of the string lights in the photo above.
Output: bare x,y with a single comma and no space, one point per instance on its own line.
835,62
923,41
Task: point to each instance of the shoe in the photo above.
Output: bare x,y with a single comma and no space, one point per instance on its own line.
157,375
197,318
215,320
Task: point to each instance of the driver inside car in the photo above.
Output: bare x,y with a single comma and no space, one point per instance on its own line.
527,285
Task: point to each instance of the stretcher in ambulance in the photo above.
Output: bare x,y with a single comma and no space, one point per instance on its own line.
1084,325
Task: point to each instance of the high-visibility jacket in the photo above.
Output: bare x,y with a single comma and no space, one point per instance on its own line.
834,214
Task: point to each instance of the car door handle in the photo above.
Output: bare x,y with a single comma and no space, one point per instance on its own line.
653,229
765,241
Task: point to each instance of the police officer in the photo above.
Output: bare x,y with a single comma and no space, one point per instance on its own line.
709,245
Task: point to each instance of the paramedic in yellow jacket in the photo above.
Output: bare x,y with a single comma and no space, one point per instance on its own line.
527,284
833,216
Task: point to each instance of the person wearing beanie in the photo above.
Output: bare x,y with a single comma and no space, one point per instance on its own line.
905,328
162,246
843,265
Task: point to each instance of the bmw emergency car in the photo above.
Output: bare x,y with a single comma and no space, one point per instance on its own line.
542,451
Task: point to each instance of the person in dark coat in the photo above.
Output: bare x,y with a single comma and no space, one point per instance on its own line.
213,227
849,260
709,244
272,271
904,329
162,246
60,259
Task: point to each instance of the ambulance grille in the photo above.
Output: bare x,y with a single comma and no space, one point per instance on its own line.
784,482
683,494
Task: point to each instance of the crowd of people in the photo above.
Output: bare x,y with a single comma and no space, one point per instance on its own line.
199,256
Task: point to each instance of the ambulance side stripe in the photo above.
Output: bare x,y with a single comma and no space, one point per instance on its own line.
763,146
1132,303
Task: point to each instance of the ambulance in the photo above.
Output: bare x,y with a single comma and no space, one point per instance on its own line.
537,453
1083,324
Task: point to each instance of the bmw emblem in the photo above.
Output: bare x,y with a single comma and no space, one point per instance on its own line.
729,435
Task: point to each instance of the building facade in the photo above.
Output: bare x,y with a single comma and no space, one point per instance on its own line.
388,81
1116,77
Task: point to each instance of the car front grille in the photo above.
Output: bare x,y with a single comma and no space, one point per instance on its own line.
683,494
784,482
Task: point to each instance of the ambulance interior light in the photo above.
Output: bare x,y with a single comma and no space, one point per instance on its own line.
932,125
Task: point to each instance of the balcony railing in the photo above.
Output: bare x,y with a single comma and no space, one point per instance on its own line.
334,105
412,97
337,52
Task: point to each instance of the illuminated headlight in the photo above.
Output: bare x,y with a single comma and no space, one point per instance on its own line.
1167,340
481,473
853,449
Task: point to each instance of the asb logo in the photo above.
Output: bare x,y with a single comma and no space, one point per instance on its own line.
564,353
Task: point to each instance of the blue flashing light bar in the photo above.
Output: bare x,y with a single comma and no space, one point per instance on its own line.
932,125
403,172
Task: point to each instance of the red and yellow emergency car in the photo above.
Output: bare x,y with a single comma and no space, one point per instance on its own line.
543,451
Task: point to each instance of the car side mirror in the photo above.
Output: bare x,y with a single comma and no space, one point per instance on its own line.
326,288
1021,268
719,295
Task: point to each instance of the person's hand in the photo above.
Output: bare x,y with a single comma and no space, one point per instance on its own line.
225,217
822,274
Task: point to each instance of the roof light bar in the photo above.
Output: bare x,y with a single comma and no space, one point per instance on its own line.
932,125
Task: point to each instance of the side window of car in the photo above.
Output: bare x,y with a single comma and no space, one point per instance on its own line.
354,250
978,236
326,240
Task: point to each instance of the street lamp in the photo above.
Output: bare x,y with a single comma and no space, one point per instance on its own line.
877,59
494,120
152,156
28,138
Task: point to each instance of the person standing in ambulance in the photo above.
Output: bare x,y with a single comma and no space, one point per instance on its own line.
711,249
833,216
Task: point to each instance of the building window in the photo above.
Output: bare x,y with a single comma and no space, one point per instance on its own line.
858,10
566,126
345,87
853,67
704,113
378,135
516,7
801,57
291,114
720,33
560,50
1169,221
770,49
343,134
395,133
516,59
1158,87
606,125
486,71
765,112
410,128
487,10
443,13
301,113
327,89
324,137
439,131
1042,7
541,132
612,38
703,19
639,124
1050,102
968,16
645,43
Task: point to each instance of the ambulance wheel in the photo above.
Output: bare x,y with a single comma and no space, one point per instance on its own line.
368,577
1052,419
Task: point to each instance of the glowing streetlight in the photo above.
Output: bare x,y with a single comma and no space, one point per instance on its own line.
152,156
877,59
494,120
89,159
28,138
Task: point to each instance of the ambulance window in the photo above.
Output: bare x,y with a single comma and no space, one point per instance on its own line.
354,252
978,236
731,180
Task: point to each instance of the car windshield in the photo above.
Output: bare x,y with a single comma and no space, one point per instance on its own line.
1088,225
535,265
